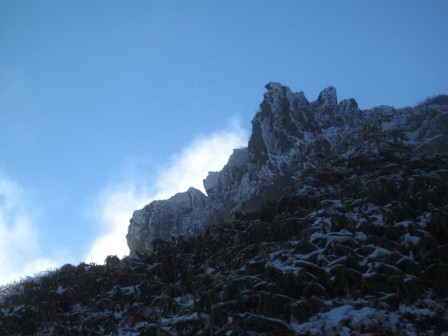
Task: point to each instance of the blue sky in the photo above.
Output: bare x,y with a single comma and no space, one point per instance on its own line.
106,105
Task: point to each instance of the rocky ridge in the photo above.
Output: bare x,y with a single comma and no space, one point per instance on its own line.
357,243
289,135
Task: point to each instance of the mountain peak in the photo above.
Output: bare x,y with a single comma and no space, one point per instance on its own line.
333,220
289,136
274,86
328,97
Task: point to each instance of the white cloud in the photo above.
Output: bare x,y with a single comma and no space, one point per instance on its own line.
206,153
113,208
20,253
115,204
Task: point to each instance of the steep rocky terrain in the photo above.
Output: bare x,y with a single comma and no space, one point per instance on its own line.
289,136
339,232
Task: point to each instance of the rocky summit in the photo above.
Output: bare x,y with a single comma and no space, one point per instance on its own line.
333,221
290,135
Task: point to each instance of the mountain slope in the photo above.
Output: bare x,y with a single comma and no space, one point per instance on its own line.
366,256
290,135
356,243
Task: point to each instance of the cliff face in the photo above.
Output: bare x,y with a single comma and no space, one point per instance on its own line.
291,135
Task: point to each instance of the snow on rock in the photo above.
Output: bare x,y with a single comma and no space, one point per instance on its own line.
344,320
289,136
186,213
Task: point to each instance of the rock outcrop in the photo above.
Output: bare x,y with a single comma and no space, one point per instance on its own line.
290,135
357,242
